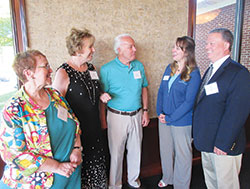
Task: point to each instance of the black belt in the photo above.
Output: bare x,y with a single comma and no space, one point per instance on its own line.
124,113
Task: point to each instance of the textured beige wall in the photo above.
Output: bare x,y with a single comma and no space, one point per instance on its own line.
154,24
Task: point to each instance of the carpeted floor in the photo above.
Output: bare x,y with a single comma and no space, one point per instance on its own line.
197,181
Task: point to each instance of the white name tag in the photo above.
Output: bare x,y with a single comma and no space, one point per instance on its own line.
62,113
137,74
93,75
211,88
166,77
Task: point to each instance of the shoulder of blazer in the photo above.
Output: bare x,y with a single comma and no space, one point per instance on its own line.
167,70
195,71
230,66
235,66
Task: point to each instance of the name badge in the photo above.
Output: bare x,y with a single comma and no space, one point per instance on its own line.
93,75
166,77
62,113
211,88
137,74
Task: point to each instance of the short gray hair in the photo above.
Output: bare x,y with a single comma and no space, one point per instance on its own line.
226,35
117,42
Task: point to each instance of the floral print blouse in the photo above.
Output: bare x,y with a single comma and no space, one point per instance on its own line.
25,141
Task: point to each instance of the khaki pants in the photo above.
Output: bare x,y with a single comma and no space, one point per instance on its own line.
221,171
124,131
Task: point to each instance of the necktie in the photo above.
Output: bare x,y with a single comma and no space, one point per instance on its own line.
205,81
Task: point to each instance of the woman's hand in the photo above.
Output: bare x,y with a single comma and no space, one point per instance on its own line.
65,169
76,156
161,117
105,97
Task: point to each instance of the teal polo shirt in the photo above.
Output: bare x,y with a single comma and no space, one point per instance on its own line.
124,84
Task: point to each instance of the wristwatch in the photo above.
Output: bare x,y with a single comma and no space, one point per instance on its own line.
78,147
145,109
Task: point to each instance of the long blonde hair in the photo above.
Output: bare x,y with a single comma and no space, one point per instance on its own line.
187,45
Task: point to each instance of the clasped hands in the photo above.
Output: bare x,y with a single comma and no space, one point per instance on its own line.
161,117
67,168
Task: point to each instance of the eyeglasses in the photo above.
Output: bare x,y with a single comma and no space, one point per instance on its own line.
47,66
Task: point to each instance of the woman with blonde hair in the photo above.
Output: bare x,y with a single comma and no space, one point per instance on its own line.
176,96
78,81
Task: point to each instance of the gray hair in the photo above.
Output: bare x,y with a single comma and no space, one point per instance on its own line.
117,42
226,35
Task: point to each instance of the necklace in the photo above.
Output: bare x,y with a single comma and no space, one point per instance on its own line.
83,76
88,83
180,67
178,71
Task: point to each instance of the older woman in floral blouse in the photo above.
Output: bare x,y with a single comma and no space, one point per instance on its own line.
39,135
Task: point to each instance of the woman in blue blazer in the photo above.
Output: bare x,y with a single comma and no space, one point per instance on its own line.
176,96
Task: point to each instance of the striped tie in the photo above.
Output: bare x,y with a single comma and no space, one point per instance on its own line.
205,81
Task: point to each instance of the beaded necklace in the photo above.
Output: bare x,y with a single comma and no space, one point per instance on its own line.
82,76
86,75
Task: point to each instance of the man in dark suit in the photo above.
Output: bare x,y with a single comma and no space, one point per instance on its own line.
221,109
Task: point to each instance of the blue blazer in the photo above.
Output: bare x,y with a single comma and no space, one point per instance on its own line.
219,118
177,103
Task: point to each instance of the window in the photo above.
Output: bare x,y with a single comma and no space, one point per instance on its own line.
13,39
245,44
206,15
8,80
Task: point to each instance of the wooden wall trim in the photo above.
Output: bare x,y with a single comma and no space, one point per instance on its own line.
19,25
191,18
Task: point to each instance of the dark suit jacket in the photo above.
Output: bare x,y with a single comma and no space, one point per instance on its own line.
218,119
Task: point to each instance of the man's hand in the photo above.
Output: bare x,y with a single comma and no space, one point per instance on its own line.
105,97
161,117
218,151
145,119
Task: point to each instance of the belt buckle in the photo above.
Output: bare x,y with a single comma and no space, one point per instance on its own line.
133,113
124,113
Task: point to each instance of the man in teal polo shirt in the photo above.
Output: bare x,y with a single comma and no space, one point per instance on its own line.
125,86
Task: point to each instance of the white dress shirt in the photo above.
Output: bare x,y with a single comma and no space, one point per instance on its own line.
217,64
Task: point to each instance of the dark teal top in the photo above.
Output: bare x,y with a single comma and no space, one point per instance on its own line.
62,136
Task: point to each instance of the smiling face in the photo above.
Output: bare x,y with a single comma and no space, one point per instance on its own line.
178,54
216,47
41,76
127,50
87,51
